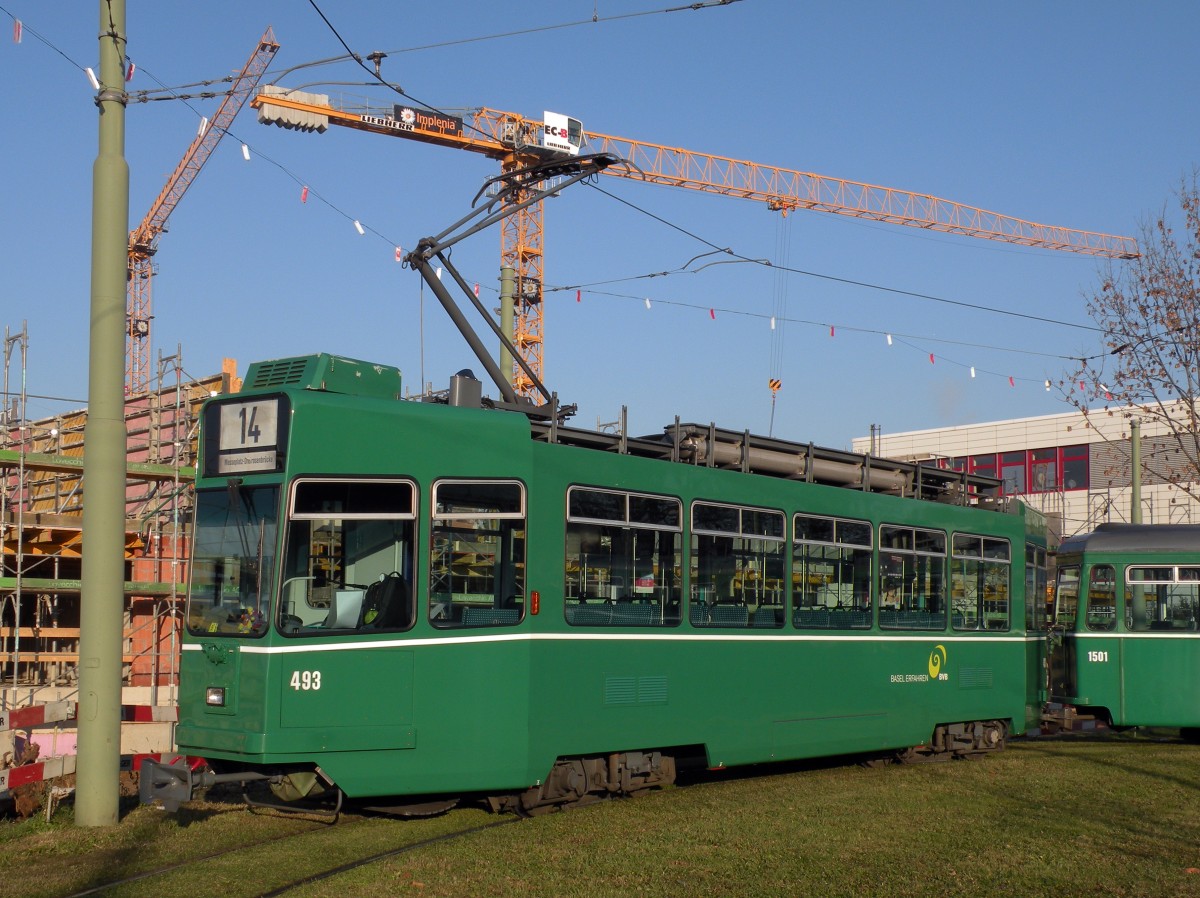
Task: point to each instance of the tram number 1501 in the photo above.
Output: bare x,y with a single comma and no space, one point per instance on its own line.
1097,656
305,680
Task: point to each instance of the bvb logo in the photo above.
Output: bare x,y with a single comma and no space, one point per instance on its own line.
936,659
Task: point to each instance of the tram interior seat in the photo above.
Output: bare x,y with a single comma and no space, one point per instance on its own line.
767,617
637,614
812,618
727,616
490,617
912,620
619,614
822,618
589,615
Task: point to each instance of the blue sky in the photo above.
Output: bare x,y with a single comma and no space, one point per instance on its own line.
1067,114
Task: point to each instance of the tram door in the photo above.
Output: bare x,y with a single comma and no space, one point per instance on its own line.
1098,650
1085,659
1061,642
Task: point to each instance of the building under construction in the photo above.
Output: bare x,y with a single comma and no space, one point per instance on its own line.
42,468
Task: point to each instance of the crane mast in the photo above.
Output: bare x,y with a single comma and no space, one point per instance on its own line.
143,240
515,141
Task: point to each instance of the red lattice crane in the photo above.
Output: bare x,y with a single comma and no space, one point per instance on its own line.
143,241
517,141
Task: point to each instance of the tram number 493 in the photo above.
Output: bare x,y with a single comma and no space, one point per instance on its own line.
1091,656
305,680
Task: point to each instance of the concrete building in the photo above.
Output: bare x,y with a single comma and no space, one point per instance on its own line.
1076,469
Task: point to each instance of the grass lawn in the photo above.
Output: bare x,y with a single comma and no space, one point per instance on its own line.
1063,817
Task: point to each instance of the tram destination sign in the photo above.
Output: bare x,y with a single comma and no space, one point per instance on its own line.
247,436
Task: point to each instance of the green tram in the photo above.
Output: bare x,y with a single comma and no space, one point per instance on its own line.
1124,644
426,600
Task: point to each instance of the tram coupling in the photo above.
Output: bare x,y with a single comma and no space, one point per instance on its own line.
173,784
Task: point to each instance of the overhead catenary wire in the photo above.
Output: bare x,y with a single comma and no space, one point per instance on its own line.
779,311
844,280
785,269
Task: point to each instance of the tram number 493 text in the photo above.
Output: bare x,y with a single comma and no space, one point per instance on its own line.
1098,656
306,680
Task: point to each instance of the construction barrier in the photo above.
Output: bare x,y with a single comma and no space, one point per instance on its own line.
63,712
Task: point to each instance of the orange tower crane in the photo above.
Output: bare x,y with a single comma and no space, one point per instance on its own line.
517,141
143,241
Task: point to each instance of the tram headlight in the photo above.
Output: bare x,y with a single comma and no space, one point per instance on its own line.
215,696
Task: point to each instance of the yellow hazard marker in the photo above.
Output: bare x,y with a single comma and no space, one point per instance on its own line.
774,383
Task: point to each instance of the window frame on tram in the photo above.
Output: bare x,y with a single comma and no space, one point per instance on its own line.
832,572
348,556
736,568
921,553
477,541
623,558
978,564
1176,600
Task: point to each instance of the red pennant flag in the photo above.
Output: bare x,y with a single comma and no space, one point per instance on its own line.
579,296
1011,383
129,72
17,29
712,313
1082,386
931,358
477,291
304,195
399,254
831,330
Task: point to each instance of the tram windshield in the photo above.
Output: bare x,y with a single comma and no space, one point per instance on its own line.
233,570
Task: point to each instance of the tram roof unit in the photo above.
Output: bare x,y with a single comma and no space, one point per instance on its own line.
704,445
1135,538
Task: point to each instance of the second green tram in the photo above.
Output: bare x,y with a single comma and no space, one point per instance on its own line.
1125,645
423,601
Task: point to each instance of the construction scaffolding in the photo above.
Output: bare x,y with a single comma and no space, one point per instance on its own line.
41,530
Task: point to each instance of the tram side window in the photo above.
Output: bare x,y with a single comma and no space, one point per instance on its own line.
348,558
1101,613
1162,598
737,567
623,559
1037,576
980,578
477,553
1066,597
831,573
912,577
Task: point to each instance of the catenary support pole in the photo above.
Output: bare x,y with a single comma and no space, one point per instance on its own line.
1135,472
102,595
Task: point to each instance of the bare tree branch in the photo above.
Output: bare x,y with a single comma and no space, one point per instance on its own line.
1149,310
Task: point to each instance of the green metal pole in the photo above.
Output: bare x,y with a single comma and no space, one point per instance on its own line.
508,279
1135,472
1137,594
102,601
